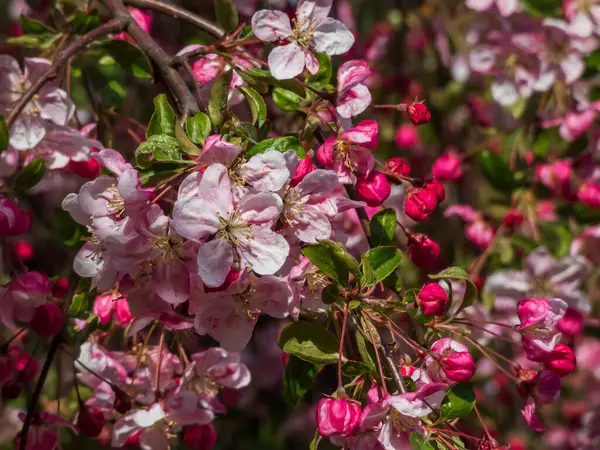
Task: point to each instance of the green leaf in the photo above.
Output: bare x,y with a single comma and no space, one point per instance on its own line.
159,147
309,342
456,273
79,305
33,26
163,118
129,57
419,442
331,294
383,227
258,107
323,76
496,171
31,174
333,260
198,128
355,368
265,77
151,176
378,263
459,401
227,15
366,351
184,142
83,23
4,135
542,8
298,377
217,105
286,100
41,41
281,144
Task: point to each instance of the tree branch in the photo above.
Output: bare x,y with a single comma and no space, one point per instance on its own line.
186,101
179,13
113,26
54,345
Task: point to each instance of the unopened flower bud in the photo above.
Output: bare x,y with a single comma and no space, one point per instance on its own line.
398,166
90,421
122,403
418,113
305,166
447,167
572,322
540,312
48,320
419,203
13,220
337,416
555,176
22,250
232,275
407,136
60,288
200,437
373,189
513,218
589,194
423,251
26,367
459,366
436,187
479,233
562,360
433,299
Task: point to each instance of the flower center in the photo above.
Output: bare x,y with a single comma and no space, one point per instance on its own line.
116,203
292,205
344,153
302,31
235,230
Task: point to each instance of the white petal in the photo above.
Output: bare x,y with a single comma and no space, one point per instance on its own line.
266,252
286,61
332,37
270,26
266,172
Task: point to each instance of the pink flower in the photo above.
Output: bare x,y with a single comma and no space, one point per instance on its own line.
406,136
562,360
572,322
50,105
447,167
584,18
353,96
346,156
304,167
373,189
589,194
20,300
312,31
43,433
237,230
459,366
418,113
337,416
540,313
574,124
505,7
104,305
452,362
229,316
480,233
200,437
419,203
530,417
307,282
13,220
555,176
465,212
433,299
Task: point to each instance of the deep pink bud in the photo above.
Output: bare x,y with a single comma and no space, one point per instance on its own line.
337,416
459,366
13,220
60,288
555,176
86,169
48,320
90,421
200,437
373,189
398,166
26,367
540,312
419,203
22,250
447,167
513,218
589,194
572,322
232,275
122,403
305,166
418,113
436,187
562,360
481,111
423,251
480,233
407,136
433,299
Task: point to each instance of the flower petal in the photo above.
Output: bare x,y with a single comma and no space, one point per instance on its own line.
332,37
286,61
271,26
215,258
